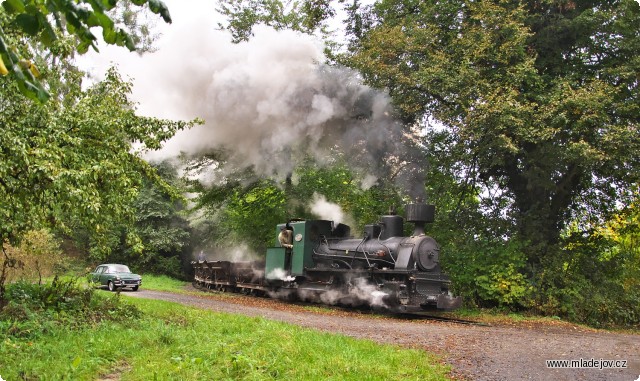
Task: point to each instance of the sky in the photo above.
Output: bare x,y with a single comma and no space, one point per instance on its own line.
184,15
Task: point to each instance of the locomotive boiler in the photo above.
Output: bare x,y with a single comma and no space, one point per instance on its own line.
323,262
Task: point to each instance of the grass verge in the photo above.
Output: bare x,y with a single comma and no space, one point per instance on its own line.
173,342
162,283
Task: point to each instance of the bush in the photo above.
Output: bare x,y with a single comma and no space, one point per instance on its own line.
32,309
38,255
589,282
489,273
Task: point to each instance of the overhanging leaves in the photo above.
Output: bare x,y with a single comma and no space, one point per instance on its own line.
34,18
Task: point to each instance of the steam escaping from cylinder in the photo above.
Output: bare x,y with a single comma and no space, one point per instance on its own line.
279,273
359,293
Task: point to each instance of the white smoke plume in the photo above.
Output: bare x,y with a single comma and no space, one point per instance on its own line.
279,273
360,293
238,253
368,181
267,101
326,210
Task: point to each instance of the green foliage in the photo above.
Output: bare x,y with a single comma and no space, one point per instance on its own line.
68,163
539,97
243,210
252,213
582,285
488,272
35,20
239,211
594,279
35,310
246,215
159,239
39,256
306,16
341,185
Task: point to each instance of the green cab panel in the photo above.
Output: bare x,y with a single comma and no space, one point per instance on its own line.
305,236
274,263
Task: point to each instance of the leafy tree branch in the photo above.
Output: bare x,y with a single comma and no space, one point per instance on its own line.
47,21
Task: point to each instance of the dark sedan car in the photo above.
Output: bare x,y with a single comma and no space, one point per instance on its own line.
115,276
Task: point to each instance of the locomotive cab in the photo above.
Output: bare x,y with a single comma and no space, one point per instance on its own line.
305,234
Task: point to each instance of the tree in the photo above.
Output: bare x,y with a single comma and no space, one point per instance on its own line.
162,233
71,159
242,209
238,210
543,97
47,22
307,16
69,162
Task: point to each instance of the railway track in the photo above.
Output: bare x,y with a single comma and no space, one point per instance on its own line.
364,310
427,316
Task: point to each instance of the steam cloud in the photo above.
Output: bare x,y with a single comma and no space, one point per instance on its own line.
360,293
239,253
267,102
326,210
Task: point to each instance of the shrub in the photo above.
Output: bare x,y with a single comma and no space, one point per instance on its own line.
589,282
32,309
489,273
38,254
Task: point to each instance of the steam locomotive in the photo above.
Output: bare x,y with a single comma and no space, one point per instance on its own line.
383,269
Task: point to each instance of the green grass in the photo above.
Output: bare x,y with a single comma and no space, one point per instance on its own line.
173,342
149,281
162,283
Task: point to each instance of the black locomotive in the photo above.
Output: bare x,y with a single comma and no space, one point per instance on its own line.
323,263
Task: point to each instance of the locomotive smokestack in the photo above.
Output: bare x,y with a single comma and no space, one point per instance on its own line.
420,214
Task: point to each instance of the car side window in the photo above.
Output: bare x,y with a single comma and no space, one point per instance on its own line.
100,269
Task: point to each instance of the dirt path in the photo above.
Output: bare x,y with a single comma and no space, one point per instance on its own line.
474,352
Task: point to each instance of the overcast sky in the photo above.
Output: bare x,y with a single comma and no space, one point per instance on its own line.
186,16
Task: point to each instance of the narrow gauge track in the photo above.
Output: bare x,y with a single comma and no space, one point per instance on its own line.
426,316
363,309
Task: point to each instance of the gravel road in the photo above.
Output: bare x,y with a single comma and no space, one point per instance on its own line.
474,352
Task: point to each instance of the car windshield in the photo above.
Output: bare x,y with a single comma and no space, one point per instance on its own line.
119,269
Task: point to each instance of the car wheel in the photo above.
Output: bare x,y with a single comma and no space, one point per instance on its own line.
135,288
111,286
